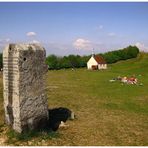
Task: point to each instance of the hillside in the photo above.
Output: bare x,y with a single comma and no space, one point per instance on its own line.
138,65
107,113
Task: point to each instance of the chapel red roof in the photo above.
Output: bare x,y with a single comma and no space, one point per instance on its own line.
100,59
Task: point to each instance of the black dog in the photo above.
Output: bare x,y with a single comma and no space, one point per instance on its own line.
57,115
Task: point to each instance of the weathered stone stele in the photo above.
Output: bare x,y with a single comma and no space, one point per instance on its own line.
25,101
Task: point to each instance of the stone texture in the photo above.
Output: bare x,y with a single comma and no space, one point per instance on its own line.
25,101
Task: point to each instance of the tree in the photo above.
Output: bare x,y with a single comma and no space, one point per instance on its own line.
74,61
52,61
64,62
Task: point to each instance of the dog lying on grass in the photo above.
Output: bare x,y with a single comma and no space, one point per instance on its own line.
58,116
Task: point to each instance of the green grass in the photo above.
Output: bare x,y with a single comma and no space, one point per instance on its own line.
107,113
14,137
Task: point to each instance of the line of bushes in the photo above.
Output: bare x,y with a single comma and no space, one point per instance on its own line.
76,61
71,61
122,54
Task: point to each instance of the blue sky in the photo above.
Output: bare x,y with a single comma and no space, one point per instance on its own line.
75,27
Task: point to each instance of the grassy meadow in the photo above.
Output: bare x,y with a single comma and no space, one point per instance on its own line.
108,113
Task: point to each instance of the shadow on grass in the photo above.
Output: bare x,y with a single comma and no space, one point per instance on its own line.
46,129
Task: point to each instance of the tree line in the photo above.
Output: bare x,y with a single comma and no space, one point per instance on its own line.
77,61
121,54
71,61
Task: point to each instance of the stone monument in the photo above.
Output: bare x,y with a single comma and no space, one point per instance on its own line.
25,101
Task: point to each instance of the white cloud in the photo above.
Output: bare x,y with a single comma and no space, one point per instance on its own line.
100,27
7,40
111,34
36,42
31,34
82,44
142,47
4,40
